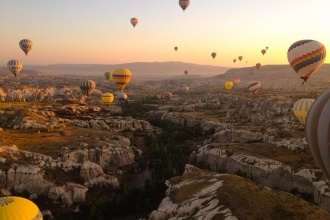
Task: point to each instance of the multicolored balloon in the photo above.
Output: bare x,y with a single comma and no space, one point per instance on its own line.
237,80
107,98
229,85
263,51
301,108
184,4
14,66
318,132
213,55
134,21
258,65
87,87
26,45
240,58
175,48
306,57
13,207
121,77
108,75
254,87
168,95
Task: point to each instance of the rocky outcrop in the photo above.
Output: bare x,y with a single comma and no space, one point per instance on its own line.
203,203
270,173
93,175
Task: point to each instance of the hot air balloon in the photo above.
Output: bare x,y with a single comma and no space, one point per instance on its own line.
108,75
13,207
184,4
306,57
14,66
168,95
26,45
185,89
121,97
258,65
234,60
263,51
107,98
318,133
186,72
87,87
237,80
121,77
134,21
175,48
213,55
229,85
240,58
301,108
266,48
254,87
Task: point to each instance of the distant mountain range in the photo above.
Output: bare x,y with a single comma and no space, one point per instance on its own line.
141,70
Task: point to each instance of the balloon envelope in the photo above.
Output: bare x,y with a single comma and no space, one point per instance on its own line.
237,80
168,95
263,51
213,55
14,66
134,21
26,45
175,48
14,208
301,108
121,77
87,87
254,86
234,60
108,75
240,58
229,85
258,65
184,4
318,132
186,72
185,89
121,96
107,98
306,57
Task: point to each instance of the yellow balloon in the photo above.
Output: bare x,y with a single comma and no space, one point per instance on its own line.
229,85
13,207
121,77
107,98
301,108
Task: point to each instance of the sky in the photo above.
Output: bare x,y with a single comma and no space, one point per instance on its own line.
100,32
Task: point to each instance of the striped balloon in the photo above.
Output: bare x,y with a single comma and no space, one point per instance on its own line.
26,45
318,131
122,77
306,57
254,86
301,108
168,95
14,66
87,87
107,98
